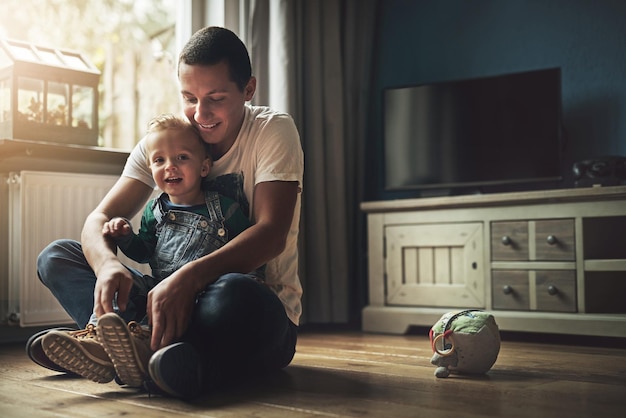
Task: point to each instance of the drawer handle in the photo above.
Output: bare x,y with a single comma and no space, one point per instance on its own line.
506,240
551,240
552,290
507,290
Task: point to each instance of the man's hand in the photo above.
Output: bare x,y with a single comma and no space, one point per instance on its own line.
116,227
169,308
113,278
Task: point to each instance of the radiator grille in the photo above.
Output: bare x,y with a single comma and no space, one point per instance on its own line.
44,206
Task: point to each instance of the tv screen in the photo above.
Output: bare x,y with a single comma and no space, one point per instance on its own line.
474,135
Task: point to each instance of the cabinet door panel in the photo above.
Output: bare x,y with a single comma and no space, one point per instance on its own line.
435,265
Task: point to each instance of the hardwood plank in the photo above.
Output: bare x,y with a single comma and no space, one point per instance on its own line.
348,375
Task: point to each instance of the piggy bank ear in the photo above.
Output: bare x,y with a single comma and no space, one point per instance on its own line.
443,344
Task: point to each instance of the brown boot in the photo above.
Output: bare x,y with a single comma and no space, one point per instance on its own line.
128,346
79,352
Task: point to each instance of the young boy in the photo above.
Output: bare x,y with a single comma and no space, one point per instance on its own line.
210,322
183,224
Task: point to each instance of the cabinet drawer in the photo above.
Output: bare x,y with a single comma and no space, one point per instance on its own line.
510,290
556,290
552,290
554,240
509,241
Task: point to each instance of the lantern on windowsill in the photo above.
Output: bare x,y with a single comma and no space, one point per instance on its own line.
47,94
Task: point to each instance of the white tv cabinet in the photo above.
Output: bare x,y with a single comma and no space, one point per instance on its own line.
543,261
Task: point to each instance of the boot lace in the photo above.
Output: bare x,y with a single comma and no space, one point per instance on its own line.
88,332
139,331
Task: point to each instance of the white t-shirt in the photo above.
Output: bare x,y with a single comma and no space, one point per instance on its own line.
267,149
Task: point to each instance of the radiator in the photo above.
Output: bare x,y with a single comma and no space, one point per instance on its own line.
42,207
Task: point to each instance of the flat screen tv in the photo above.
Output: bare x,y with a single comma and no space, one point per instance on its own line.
497,133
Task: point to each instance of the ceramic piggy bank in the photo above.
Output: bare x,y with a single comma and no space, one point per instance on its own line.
464,342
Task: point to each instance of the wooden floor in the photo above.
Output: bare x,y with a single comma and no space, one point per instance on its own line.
351,374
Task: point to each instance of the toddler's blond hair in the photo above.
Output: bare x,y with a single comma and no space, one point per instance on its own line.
167,121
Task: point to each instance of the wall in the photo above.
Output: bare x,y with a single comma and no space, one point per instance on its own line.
421,41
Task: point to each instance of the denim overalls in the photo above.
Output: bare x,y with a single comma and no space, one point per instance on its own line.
184,236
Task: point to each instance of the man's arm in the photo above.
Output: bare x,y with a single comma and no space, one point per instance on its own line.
170,303
124,199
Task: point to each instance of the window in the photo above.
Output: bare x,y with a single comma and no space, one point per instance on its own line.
132,42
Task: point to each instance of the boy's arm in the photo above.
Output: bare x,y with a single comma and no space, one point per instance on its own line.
124,199
139,247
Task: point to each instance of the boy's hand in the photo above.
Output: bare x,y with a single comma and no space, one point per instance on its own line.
116,227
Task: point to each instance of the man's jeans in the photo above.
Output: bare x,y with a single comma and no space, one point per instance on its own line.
238,326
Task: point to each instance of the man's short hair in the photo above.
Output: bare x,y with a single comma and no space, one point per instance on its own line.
212,45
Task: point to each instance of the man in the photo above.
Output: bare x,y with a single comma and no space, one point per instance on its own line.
209,320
